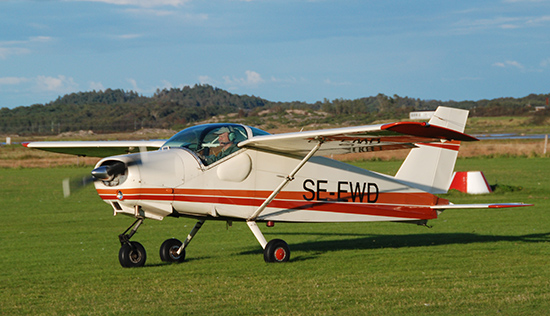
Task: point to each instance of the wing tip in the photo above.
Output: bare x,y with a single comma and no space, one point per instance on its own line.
423,129
508,205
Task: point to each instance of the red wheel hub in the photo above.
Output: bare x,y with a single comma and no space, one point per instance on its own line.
280,254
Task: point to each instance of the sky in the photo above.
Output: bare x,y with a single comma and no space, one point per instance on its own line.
279,50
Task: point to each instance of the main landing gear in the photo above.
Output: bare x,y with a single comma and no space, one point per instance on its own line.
275,250
132,254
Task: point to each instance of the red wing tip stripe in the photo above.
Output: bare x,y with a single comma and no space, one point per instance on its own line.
506,205
454,147
426,130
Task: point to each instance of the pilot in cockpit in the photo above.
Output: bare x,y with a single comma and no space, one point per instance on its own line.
226,138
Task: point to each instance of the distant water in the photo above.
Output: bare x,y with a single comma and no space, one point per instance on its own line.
510,136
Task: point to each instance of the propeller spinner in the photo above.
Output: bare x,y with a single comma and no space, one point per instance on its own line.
109,171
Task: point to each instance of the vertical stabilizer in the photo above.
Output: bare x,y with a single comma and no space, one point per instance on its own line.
430,166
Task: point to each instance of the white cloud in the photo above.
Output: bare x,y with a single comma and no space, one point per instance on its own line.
61,84
97,86
13,80
500,22
252,79
206,80
133,82
509,63
5,52
538,21
8,48
128,36
509,26
469,78
468,25
41,39
332,83
150,12
545,62
167,84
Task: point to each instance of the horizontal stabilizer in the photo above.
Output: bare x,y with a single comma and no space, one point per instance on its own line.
475,206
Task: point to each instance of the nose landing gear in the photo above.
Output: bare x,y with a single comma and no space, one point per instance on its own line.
169,251
131,254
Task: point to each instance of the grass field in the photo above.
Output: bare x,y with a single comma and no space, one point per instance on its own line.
59,256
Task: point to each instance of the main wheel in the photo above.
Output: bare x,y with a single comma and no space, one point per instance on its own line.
276,250
132,255
169,251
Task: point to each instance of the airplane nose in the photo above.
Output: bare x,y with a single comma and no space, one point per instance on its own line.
108,172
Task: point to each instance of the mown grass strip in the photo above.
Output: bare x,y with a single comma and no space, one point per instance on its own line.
59,256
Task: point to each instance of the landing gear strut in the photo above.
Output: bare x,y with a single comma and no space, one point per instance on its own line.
173,250
276,250
131,254
169,251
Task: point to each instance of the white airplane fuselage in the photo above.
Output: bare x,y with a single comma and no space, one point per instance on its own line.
175,182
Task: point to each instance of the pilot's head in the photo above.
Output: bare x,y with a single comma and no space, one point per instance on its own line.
224,136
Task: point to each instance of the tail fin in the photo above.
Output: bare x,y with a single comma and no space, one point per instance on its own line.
430,166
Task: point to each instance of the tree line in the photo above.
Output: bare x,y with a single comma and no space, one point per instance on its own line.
123,111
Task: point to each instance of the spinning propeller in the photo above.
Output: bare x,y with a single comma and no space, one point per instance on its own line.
109,171
75,183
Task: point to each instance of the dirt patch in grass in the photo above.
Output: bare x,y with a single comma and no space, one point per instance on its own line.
21,157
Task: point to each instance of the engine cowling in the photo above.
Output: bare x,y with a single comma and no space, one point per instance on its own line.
141,184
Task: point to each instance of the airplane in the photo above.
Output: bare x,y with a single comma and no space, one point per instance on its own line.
233,172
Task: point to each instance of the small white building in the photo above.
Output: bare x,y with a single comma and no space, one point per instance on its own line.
421,115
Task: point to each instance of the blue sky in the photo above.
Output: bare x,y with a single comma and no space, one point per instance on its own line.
283,50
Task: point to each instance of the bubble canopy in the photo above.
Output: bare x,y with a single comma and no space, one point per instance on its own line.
199,137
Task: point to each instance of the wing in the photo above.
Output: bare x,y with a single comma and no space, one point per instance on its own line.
356,139
97,148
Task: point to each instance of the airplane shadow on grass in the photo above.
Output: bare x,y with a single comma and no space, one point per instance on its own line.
370,241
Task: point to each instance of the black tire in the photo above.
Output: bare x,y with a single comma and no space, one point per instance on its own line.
168,251
276,250
132,255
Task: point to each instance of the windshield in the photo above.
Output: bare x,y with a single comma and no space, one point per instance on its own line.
212,142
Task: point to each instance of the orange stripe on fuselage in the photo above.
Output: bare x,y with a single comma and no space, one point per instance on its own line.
405,205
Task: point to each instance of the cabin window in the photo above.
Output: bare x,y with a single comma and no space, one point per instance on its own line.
211,142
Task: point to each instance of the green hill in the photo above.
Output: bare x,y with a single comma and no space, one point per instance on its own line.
122,111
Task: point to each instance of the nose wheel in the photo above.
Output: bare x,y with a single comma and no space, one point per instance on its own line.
169,251
132,255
